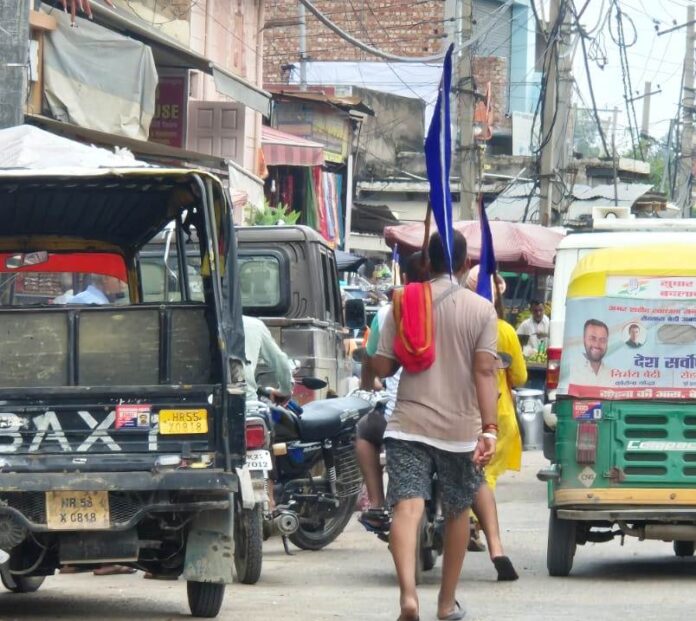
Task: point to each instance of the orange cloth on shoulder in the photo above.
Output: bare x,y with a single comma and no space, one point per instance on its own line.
414,344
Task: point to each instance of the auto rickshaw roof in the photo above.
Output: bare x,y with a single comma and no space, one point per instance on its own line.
111,206
654,260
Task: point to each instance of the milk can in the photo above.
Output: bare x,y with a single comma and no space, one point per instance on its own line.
530,406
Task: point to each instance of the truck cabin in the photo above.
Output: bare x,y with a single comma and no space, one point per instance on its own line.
74,316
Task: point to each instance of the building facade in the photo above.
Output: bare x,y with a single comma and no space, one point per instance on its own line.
179,81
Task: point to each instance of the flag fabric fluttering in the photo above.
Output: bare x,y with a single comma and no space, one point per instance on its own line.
438,159
487,264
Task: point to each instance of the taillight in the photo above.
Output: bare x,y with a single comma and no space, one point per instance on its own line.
553,367
586,444
255,435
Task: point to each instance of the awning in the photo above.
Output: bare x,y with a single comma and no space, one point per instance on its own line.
518,246
282,149
169,52
347,262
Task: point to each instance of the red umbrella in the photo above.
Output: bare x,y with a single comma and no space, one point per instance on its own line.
518,246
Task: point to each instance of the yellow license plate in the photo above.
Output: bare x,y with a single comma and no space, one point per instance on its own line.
180,422
77,510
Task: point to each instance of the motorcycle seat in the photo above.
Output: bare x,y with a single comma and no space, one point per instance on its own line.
324,418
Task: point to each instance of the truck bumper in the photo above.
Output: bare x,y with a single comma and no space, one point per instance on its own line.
176,480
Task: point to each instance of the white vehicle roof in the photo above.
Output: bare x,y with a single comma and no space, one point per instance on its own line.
607,239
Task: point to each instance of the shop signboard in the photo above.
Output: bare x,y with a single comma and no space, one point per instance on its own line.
330,128
168,125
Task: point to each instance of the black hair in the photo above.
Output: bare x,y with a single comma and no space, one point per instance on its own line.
597,323
634,325
437,257
535,303
414,268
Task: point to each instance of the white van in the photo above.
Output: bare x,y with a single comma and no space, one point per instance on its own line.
605,234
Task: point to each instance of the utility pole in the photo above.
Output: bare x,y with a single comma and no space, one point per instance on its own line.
468,155
685,162
14,59
303,45
665,159
555,123
614,159
645,124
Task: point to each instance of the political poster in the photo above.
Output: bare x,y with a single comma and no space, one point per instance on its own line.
637,342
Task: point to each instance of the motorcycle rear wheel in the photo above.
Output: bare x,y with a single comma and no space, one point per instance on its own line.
248,544
308,539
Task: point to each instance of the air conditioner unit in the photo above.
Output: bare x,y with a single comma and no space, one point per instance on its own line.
611,213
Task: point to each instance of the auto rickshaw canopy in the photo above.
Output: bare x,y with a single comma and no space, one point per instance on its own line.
112,207
589,277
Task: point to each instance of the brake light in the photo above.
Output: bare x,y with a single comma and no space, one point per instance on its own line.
586,444
553,367
255,435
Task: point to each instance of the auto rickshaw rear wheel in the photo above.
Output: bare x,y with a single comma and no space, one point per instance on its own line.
684,548
561,546
205,598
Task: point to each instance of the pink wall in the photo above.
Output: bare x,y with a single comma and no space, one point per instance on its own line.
229,32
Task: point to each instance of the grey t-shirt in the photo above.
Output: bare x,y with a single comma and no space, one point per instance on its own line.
439,406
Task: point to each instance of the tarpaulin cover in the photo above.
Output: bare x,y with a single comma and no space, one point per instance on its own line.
26,146
517,246
99,79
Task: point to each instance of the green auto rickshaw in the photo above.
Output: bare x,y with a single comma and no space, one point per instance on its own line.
624,462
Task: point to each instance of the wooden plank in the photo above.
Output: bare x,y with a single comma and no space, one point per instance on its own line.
42,21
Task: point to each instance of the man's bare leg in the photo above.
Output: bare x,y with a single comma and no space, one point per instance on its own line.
368,458
487,514
403,540
456,539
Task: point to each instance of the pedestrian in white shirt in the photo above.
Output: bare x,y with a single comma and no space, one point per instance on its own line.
535,329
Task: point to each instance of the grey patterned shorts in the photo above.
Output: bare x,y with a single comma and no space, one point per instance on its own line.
410,467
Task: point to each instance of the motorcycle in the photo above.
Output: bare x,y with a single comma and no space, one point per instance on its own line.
316,475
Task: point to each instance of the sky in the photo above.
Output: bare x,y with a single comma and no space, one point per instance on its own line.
653,58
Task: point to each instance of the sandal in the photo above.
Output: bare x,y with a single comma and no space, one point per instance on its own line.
506,572
376,520
456,614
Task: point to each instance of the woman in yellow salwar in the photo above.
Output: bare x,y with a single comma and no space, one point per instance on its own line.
508,454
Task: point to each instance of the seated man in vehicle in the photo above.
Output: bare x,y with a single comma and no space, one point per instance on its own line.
101,289
259,344
371,427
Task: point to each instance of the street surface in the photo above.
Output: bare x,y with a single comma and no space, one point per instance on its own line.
354,579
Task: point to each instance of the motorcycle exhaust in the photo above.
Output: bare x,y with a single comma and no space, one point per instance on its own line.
286,523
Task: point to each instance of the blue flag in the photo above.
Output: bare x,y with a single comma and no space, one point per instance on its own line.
487,264
438,159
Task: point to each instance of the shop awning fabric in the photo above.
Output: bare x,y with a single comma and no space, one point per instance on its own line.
520,247
281,149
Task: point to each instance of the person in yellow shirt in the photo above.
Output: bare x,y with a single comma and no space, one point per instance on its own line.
509,452
508,455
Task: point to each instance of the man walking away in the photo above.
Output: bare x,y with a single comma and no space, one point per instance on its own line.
444,421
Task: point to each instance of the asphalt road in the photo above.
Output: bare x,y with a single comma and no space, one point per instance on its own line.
354,579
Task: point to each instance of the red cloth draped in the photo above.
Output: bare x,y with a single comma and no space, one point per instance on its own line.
414,344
